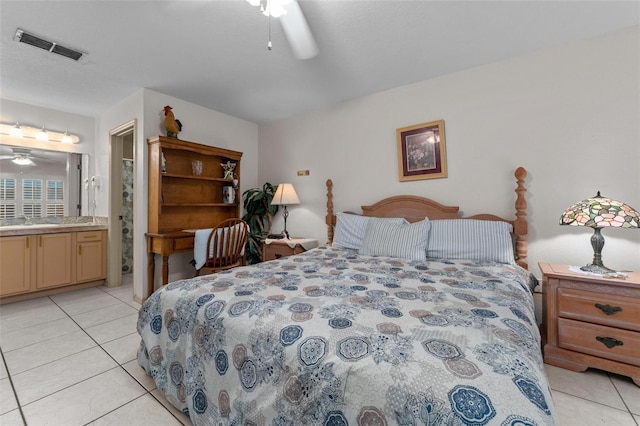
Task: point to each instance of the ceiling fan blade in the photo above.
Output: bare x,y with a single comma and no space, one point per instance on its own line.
298,32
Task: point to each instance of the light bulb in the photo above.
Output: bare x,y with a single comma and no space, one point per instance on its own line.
42,135
66,138
275,8
16,131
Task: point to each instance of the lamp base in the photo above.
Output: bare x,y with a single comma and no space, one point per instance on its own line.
597,269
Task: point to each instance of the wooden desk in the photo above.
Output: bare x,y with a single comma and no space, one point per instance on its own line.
165,245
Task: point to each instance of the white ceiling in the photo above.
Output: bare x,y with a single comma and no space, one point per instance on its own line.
213,53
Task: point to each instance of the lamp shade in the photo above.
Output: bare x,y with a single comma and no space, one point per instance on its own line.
285,195
601,212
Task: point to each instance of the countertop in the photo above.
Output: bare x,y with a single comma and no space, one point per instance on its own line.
41,228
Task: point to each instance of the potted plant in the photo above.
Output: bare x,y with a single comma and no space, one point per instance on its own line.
258,215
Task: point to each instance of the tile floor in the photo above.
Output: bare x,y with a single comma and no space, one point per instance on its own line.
70,359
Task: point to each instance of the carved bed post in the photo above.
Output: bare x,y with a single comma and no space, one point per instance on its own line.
520,225
330,218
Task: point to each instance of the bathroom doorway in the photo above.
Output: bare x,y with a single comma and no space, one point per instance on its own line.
121,211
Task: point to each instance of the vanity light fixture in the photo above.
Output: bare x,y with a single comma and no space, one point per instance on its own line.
39,133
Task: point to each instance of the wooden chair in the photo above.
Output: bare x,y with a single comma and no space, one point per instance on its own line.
225,246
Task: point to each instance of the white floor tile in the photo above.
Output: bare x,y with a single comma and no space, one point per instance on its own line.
100,316
26,316
3,370
115,329
24,307
184,419
593,385
140,375
98,301
33,356
123,349
629,391
123,294
12,418
143,411
575,411
11,340
78,296
124,289
7,398
47,379
86,401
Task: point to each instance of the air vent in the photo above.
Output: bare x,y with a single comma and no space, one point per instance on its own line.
50,46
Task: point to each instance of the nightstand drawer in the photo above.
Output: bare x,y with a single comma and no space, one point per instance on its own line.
599,308
606,342
277,251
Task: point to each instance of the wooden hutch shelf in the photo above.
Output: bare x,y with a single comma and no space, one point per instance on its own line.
179,199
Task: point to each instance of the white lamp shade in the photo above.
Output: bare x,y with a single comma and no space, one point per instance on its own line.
285,195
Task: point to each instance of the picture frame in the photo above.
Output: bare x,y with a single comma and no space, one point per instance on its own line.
422,151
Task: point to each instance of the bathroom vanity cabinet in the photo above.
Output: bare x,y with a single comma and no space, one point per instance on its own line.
40,261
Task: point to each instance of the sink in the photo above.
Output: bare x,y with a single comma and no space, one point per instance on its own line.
34,226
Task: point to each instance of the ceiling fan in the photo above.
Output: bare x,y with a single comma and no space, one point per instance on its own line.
20,156
294,24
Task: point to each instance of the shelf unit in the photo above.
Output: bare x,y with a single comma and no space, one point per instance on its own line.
179,199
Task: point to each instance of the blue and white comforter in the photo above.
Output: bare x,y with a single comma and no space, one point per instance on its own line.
329,337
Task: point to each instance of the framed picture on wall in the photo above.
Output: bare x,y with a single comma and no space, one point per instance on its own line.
421,151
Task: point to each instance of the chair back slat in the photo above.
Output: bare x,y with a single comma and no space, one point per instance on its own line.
225,246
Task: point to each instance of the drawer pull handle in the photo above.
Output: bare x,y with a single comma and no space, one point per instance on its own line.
609,342
608,309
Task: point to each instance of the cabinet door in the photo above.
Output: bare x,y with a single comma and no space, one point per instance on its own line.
54,260
90,261
15,264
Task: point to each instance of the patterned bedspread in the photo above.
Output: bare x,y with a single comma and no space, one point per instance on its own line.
329,337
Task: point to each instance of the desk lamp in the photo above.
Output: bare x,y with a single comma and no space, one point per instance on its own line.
285,195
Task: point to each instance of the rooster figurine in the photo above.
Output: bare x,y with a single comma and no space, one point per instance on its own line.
172,125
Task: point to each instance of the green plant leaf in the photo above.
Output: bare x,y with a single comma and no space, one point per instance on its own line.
258,214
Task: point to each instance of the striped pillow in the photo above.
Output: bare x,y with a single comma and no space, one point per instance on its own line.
471,239
350,229
407,241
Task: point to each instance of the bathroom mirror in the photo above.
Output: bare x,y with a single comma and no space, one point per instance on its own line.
41,183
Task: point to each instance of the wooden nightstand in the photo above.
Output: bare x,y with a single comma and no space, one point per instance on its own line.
276,249
591,321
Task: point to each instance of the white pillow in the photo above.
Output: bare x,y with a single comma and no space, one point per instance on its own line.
350,229
471,239
407,241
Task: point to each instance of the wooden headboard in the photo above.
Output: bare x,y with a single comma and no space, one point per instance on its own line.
415,208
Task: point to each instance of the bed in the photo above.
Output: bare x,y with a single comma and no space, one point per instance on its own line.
374,335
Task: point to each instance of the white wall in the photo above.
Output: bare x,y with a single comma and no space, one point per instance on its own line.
569,115
200,125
